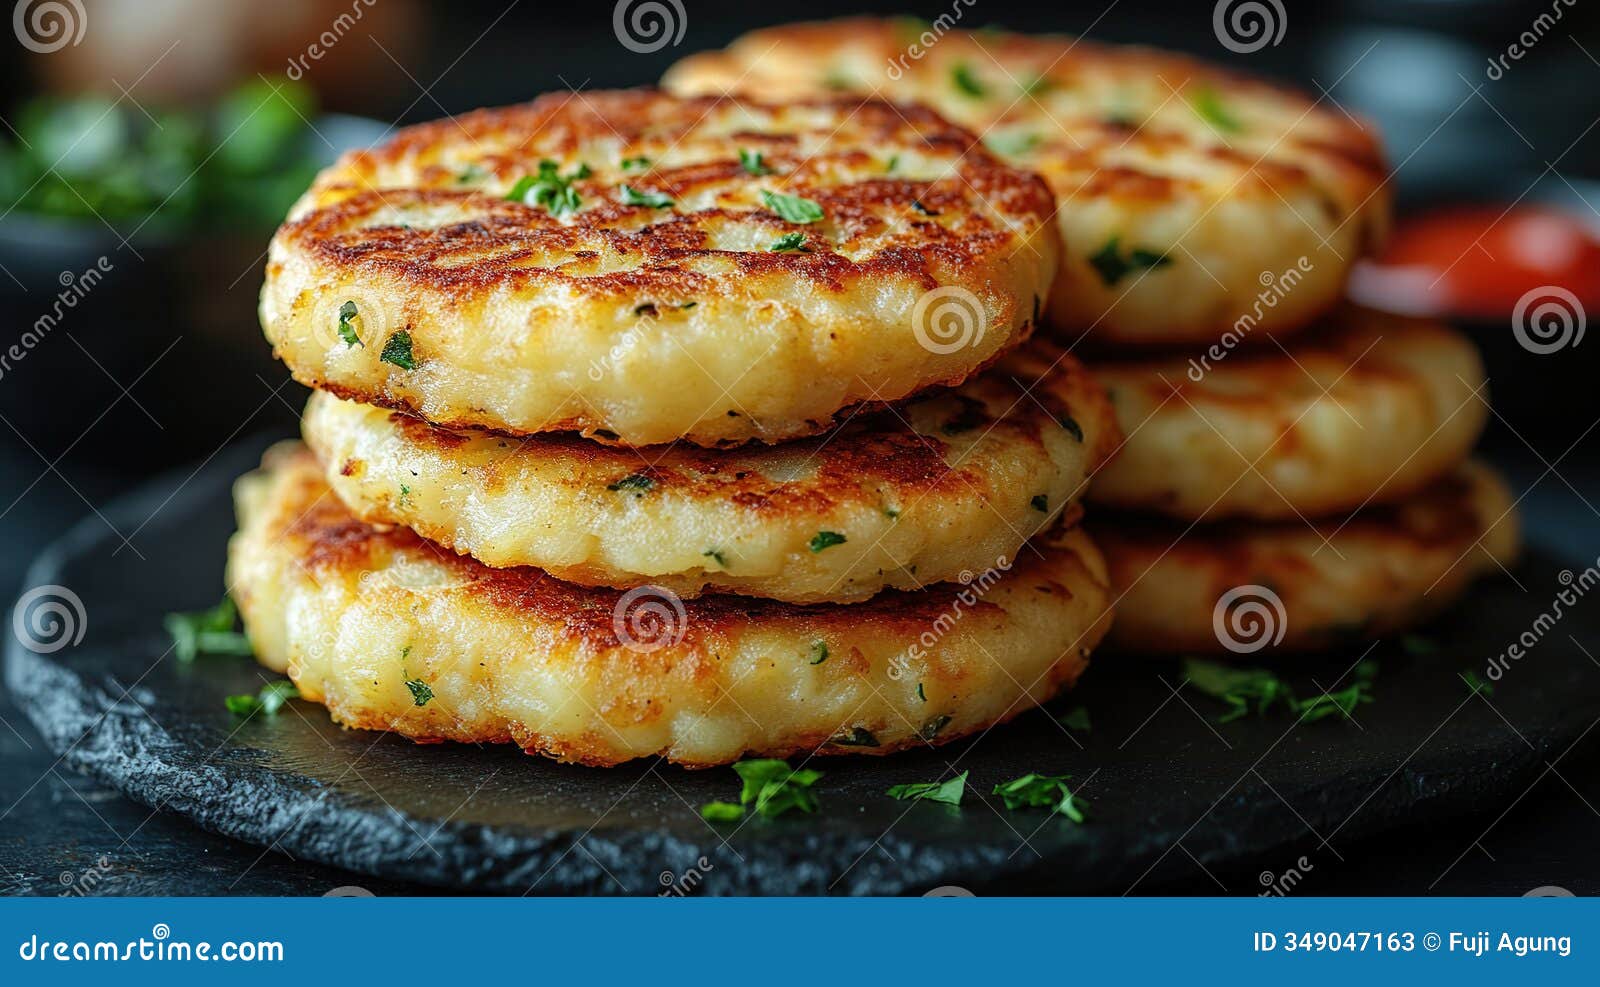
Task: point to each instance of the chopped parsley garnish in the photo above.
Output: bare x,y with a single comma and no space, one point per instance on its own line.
826,539
776,788
1040,503
920,694
653,200
1036,791
207,632
948,792
635,164
269,700
1071,425
857,737
1076,718
891,512
793,208
819,652
1035,85
931,728
1209,106
716,555
549,189
347,332
1476,684
1112,266
795,241
469,174
892,163
398,351
1245,690
721,812
634,481
1256,690
918,205
421,692
965,81
405,492
753,162
1342,702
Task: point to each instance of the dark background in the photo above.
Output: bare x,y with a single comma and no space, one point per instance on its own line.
164,364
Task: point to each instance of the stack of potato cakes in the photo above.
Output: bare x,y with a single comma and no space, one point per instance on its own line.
693,427
742,418
1295,473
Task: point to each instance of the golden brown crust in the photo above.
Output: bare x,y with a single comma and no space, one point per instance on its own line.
1366,408
919,494
353,613
1336,581
1226,176
571,307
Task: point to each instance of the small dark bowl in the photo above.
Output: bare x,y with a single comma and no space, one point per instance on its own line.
140,347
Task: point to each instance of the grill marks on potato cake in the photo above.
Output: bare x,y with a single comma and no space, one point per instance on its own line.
709,241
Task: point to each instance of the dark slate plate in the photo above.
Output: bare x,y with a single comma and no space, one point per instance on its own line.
1163,778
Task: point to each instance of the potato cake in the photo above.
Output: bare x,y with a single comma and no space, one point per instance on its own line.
1376,572
896,499
392,632
1185,190
1368,408
641,268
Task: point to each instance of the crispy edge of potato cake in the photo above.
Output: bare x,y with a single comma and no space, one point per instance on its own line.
942,487
1380,571
1186,190
390,632
1369,408
766,268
